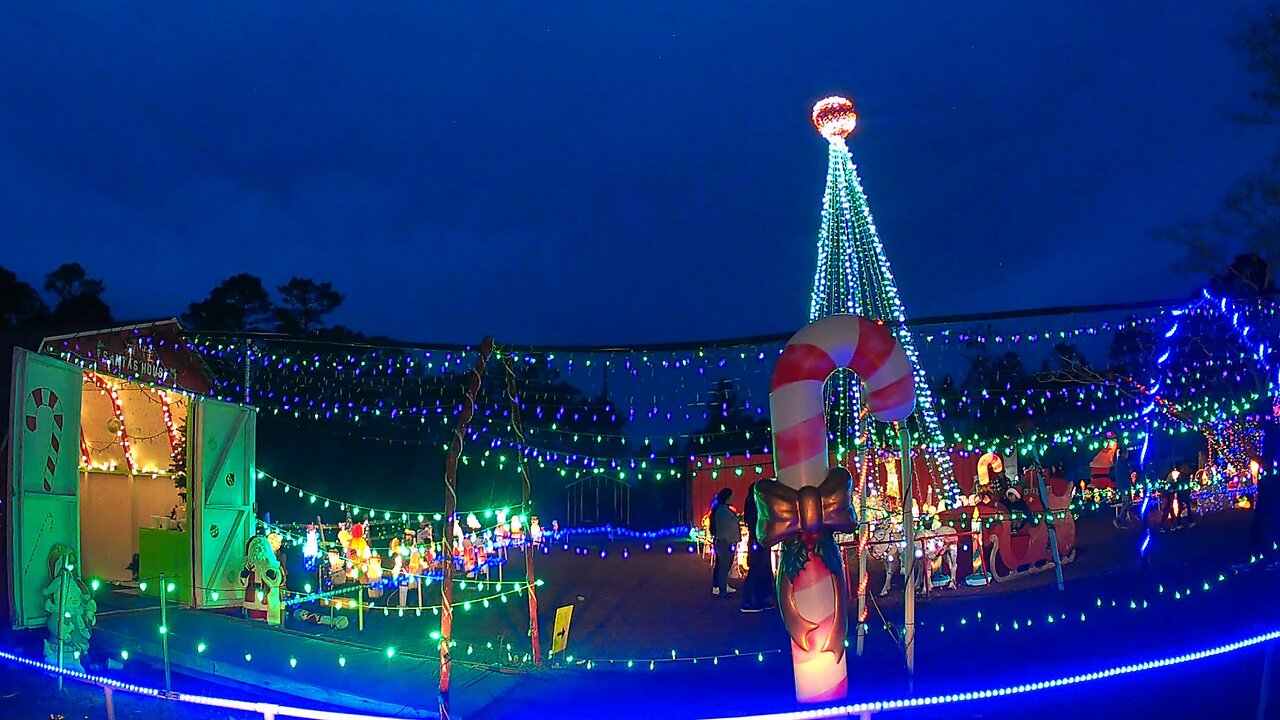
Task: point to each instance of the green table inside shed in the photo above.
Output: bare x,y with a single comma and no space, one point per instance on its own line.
168,553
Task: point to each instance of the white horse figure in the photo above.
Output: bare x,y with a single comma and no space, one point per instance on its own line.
942,545
886,544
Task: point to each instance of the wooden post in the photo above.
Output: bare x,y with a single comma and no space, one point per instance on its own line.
248,359
450,508
909,561
531,588
1038,469
164,630
110,701
62,613
1048,515
864,536
360,609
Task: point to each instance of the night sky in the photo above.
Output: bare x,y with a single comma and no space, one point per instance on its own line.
582,172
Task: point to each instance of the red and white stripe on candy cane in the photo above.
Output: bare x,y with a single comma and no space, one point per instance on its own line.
796,400
798,409
47,398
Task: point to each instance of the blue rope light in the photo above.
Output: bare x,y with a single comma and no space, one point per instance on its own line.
906,703
679,531
827,712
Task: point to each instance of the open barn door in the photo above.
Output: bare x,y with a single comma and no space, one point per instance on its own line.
44,485
222,455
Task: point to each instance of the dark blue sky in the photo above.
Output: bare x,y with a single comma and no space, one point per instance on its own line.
557,172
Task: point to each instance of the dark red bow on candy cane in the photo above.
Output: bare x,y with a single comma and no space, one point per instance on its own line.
807,512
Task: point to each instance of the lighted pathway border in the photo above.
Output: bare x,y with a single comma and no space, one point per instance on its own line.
271,711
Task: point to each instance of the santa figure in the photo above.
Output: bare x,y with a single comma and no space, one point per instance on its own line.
261,578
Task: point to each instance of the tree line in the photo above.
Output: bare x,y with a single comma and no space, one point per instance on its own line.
241,303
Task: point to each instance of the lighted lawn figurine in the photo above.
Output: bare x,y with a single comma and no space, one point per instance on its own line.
373,575
72,610
261,578
337,569
311,548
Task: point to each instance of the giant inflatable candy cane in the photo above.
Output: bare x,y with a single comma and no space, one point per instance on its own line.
810,501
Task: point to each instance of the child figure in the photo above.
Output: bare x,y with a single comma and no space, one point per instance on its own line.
468,557
397,572
337,569
374,573
517,530
415,570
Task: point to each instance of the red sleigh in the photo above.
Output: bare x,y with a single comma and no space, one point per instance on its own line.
1009,553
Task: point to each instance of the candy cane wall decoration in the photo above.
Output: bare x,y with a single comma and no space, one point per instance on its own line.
810,500
42,397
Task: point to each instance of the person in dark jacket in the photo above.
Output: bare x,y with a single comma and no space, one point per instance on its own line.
711,538
726,535
757,590
1263,530
1122,474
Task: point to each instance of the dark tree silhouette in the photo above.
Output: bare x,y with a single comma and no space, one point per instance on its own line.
1064,356
1258,39
1247,224
20,304
79,297
1239,248
239,303
561,416
1248,274
304,303
1131,354
731,426
989,379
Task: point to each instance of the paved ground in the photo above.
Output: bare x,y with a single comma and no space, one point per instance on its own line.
639,604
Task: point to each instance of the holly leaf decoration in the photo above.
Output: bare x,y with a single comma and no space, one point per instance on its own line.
829,553
794,557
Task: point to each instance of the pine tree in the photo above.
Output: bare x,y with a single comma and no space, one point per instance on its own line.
853,276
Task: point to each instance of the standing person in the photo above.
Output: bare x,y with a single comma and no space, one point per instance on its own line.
1122,478
726,534
1263,529
1182,493
757,590
711,540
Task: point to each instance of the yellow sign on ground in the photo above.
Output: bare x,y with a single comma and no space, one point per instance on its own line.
560,637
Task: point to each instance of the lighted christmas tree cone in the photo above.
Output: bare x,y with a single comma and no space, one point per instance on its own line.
853,276
810,501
